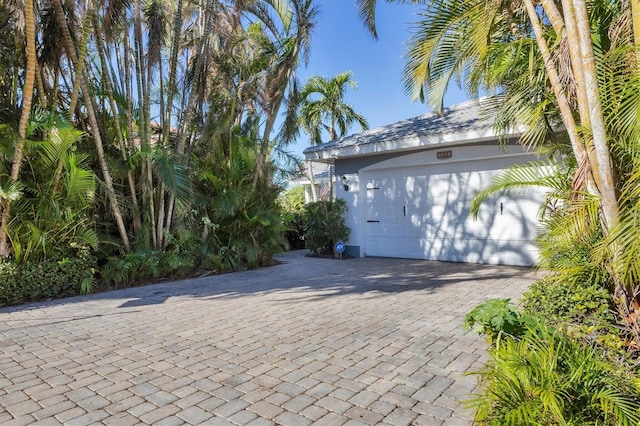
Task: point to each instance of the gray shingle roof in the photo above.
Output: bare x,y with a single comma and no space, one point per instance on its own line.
461,118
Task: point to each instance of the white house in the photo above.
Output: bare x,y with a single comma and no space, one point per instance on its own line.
409,185
321,185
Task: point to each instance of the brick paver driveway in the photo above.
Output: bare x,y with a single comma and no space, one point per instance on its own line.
359,341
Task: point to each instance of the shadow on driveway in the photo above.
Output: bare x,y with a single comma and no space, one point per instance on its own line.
321,278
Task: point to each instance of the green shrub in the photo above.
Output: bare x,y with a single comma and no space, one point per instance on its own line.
576,295
324,225
294,230
547,378
495,317
248,232
178,260
31,281
243,220
293,204
580,310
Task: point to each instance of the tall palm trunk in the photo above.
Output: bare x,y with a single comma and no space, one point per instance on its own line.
93,121
173,65
603,172
606,177
144,123
79,69
29,83
191,102
27,98
552,73
610,209
82,51
171,89
135,211
277,91
573,40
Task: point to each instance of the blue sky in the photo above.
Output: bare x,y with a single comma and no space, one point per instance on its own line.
341,43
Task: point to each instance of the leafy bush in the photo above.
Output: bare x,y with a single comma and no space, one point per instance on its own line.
495,317
580,310
52,212
324,225
177,260
576,295
293,205
548,378
246,228
46,279
242,218
294,230
293,200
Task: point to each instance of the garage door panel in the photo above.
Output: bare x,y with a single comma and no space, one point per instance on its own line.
423,212
379,230
408,246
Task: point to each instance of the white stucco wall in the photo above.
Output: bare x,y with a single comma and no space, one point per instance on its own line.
351,197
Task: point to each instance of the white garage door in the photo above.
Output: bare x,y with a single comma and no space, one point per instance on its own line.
423,213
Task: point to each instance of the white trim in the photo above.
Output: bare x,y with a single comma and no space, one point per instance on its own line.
418,159
408,144
362,211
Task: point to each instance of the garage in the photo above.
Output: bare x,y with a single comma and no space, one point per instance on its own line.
409,186
422,212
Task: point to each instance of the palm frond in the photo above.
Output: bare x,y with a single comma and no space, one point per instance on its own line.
522,177
367,12
174,176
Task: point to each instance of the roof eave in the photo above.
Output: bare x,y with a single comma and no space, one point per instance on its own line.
331,153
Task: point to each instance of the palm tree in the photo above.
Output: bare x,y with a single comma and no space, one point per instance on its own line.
290,41
70,48
27,96
323,107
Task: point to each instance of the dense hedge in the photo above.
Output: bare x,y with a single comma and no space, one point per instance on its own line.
582,310
45,279
324,224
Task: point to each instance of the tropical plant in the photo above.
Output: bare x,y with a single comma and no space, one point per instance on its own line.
324,225
242,219
293,200
323,107
546,378
320,107
286,42
53,214
495,318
